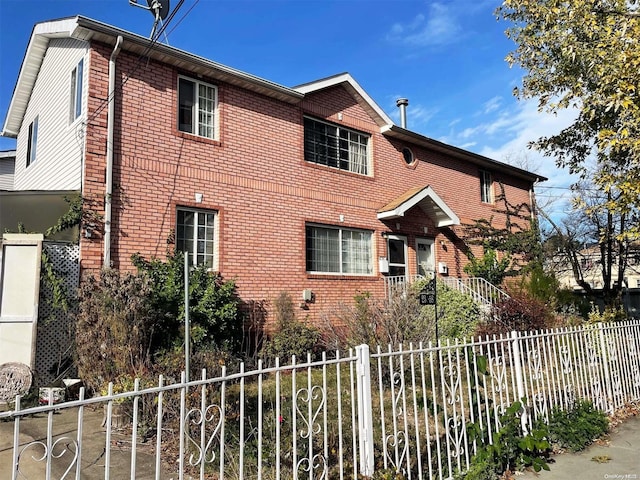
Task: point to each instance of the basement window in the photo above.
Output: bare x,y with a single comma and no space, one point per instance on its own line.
196,235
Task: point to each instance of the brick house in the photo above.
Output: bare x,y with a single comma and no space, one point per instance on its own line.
311,190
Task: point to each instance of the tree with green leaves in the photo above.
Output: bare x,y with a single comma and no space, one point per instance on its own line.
585,55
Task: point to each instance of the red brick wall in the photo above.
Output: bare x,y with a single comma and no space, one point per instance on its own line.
255,176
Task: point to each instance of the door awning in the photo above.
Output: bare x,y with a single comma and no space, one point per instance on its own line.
427,200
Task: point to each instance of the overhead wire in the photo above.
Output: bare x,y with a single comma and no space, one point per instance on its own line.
139,62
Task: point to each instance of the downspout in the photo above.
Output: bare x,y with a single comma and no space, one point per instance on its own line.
108,188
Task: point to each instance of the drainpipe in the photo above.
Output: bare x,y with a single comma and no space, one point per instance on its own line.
108,188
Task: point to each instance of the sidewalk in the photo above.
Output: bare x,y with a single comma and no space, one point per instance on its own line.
33,434
619,458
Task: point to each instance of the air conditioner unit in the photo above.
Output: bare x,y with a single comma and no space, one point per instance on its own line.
442,268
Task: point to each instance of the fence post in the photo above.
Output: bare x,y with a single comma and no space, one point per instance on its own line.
365,416
517,364
604,355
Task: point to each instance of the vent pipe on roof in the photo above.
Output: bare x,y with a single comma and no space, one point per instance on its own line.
402,103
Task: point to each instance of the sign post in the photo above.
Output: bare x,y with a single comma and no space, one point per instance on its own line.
428,296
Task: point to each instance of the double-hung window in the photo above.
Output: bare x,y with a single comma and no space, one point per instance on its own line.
75,105
338,250
336,146
486,184
32,142
196,235
197,105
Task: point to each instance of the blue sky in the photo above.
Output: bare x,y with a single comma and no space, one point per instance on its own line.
446,57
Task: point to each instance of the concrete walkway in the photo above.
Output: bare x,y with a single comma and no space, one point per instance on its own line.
33,435
618,458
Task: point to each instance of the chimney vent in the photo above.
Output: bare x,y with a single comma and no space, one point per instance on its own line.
402,103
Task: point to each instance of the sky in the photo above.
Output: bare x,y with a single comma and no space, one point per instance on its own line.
447,57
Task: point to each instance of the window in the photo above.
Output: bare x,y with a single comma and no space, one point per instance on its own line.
32,142
486,183
195,234
336,147
76,92
197,103
338,250
407,154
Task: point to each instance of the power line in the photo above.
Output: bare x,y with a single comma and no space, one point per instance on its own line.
139,62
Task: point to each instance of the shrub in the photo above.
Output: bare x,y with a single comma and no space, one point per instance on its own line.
135,319
398,320
520,312
292,337
115,329
574,429
509,450
214,313
401,319
458,314
611,313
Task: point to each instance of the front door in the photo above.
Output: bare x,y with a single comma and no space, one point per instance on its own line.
424,256
397,247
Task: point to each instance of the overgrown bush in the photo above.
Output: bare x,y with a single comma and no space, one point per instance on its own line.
214,313
569,308
292,337
458,314
575,428
610,313
521,312
115,329
136,321
398,320
401,319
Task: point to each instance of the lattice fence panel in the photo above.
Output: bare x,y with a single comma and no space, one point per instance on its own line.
55,328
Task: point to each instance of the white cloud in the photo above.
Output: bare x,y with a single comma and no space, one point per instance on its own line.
438,27
492,104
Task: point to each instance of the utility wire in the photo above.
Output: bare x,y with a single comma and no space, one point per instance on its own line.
139,62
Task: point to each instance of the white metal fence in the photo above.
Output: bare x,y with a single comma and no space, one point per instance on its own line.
406,409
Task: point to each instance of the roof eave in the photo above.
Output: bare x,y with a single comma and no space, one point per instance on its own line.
403,134
354,88
82,28
443,216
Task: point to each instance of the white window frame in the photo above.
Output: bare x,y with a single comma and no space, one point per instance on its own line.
195,257
32,141
197,126
342,242
75,101
354,163
405,255
486,186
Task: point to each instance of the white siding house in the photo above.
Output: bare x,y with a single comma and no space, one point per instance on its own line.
7,167
50,144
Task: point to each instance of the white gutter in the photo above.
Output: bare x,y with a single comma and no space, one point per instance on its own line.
108,188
